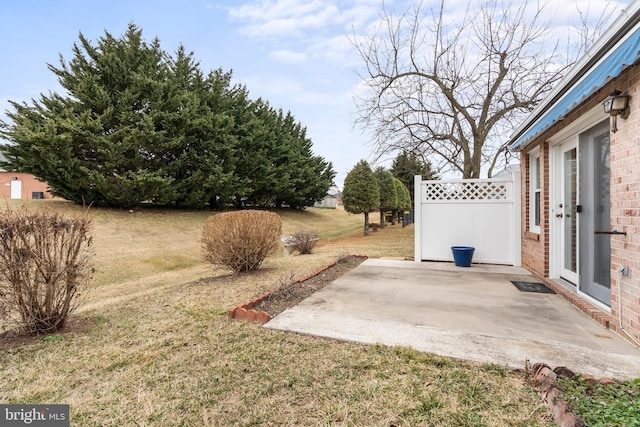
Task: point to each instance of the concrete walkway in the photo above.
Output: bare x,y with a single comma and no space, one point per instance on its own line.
470,313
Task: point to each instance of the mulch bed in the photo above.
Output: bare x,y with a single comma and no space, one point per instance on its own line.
290,294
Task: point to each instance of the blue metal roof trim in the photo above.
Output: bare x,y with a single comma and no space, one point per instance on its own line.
624,55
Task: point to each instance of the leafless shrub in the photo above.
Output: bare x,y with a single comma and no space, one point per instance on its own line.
241,240
342,257
287,280
285,288
304,241
46,264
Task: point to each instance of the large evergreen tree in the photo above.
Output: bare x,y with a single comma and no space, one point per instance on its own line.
195,117
361,193
407,165
96,144
137,124
277,149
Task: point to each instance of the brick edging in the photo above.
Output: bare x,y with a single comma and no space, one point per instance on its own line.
545,382
245,311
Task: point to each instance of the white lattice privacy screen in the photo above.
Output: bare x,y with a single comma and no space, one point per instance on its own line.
483,213
467,190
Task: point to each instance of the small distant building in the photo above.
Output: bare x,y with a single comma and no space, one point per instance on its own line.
14,185
508,171
21,186
329,202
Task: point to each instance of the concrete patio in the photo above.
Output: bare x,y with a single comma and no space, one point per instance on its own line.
470,313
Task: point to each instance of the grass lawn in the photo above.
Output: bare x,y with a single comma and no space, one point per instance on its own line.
153,346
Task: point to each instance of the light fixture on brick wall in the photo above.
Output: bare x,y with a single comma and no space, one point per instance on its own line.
616,105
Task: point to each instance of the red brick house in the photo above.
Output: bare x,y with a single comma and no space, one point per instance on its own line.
580,161
23,186
15,185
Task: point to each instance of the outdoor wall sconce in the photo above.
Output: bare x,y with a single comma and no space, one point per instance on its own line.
616,105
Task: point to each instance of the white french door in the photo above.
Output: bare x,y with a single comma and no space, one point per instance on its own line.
580,213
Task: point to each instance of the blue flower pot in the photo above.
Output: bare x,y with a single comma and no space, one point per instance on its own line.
462,255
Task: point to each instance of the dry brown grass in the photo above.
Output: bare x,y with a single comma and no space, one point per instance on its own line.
162,352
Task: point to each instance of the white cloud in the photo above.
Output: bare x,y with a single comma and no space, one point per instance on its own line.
295,18
590,10
323,99
337,49
288,56
360,15
300,31
287,91
283,18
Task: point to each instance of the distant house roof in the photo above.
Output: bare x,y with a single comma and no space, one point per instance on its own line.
507,171
618,48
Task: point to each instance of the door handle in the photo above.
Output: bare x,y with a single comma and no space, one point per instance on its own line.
616,232
559,215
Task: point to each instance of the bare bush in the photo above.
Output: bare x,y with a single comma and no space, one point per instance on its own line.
241,240
46,264
304,241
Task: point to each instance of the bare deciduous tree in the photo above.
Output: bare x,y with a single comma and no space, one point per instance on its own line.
453,87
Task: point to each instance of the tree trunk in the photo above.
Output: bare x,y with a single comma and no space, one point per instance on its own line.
366,223
381,219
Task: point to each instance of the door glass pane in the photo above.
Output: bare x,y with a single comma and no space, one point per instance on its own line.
601,175
595,243
570,237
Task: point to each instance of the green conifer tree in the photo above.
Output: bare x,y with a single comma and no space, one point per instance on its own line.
361,193
388,193
407,165
96,144
137,124
404,199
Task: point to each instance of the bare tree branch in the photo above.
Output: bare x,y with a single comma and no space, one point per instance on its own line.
454,89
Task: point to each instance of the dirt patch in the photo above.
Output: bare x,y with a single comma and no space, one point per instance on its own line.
290,294
15,338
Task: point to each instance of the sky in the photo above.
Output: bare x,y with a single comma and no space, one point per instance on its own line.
296,54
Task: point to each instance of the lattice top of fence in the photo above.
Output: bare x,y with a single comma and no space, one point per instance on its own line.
467,190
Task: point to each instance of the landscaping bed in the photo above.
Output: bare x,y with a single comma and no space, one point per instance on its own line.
293,291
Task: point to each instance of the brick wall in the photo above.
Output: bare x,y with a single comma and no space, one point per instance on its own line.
535,250
625,210
29,185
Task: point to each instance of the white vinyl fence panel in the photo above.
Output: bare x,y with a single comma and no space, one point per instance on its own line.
483,213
